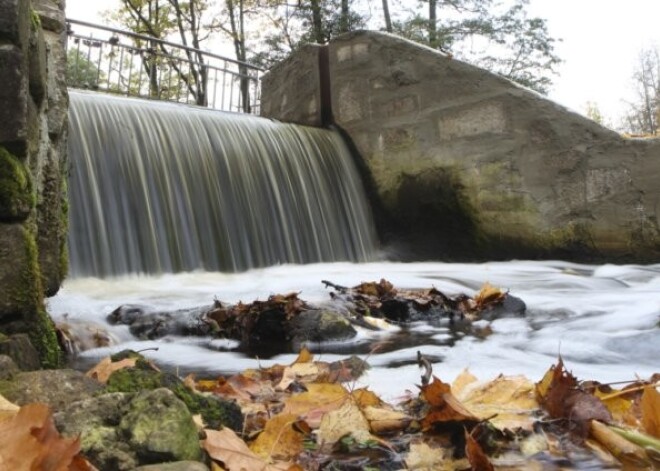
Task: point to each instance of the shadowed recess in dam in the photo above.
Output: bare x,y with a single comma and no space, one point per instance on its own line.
158,187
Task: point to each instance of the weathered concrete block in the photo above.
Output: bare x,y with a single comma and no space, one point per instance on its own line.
51,13
38,78
292,89
15,22
13,99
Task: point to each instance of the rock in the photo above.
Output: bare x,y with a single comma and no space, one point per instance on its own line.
8,368
38,75
121,431
144,322
21,350
176,466
159,427
215,412
56,388
320,326
511,306
95,421
51,15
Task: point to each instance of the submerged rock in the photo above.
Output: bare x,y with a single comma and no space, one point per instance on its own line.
320,326
146,323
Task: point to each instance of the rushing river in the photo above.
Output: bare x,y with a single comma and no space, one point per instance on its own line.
603,320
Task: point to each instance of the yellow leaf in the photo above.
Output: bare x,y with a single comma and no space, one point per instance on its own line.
303,372
488,295
461,381
316,401
508,401
365,398
618,405
279,438
346,420
305,356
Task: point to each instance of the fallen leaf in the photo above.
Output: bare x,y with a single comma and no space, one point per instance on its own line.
338,423
103,369
462,381
30,441
382,420
279,439
304,356
475,455
422,456
7,409
618,405
621,448
651,411
488,295
508,401
365,398
319,399
228,448
302,372
444,406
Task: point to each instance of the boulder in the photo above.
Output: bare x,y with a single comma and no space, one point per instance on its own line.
159,427
56,388
21,351
146,323
121,431
8,368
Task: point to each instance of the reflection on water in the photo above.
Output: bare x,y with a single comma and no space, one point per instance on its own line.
604,320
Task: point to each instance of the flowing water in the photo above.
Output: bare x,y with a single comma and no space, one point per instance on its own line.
159,188
602,319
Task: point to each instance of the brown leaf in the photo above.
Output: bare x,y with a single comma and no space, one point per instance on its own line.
488,295
30,441
475,455
444,406
103,369
651,411
305,356
227,447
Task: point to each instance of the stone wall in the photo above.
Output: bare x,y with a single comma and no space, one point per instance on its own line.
33,126
468,165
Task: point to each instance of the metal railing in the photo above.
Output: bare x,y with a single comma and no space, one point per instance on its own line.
111,60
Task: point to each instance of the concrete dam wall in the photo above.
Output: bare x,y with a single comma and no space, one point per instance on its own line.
465,164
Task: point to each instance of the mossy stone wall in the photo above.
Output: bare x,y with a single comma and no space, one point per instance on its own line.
33,107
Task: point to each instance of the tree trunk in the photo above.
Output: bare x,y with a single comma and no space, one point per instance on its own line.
386,14
344,17
433,23
317,22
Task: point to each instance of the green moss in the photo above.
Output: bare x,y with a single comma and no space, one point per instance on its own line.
16,196
28,295
35,20
215,411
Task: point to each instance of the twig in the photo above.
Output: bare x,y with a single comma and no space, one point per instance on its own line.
425,363
330,284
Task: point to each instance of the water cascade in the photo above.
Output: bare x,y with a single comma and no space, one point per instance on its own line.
159,187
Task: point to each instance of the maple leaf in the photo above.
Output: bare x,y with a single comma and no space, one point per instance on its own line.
444,406
279,439
30,441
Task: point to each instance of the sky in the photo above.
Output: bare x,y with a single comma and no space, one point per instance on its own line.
601,41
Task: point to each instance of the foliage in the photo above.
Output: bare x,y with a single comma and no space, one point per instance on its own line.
507,41
643,116
81,72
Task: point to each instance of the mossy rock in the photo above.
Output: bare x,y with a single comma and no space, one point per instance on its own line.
16,196
216,412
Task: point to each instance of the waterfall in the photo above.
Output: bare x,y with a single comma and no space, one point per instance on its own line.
160,188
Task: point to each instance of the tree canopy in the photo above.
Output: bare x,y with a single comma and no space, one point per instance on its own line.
498,36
